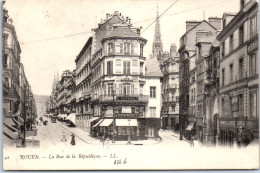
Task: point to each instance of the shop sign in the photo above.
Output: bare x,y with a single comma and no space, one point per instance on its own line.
252,46
126,98
235,104
227,123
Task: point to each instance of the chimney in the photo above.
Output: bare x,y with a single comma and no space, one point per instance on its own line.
215,22
119,14
129,21
126,19
191,24
107,15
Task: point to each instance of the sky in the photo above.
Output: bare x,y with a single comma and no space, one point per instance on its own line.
52,33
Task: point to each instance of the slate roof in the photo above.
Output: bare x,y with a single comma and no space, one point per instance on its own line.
152,68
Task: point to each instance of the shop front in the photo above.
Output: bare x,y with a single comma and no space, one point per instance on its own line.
227,131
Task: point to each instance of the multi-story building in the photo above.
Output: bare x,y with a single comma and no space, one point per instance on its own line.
11,65
212,93
205,41
16,89
83,87
170,90
119,82
188,85
239,74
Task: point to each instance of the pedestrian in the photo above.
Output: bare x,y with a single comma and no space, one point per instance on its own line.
73,139
63,137
102,140
192,142
107,142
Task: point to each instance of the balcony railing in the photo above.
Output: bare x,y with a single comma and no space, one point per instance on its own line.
123,98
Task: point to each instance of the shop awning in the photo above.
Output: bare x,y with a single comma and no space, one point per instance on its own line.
93,119
72,118
126,122
16,122
100,121
106,122
11,135
190,126
10,123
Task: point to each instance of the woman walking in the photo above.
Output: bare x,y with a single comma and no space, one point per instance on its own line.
73,139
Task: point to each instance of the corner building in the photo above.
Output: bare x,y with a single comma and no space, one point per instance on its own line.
125,100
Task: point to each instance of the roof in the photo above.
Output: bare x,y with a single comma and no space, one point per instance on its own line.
88,43
235,20
152,68
123,32
198,25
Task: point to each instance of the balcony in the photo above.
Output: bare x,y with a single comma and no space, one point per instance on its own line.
124,98
172,86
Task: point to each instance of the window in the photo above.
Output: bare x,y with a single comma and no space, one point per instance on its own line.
141,49
126,89
253,26
223,77
127,48
152,92
133,110
231,72
252,64
110,48
241,34
121,48
109,67
141,68
141,89
240,104
253,105
231,40
10,105
223,49
110,89
241,68
153,111
126,67
5,40
5,59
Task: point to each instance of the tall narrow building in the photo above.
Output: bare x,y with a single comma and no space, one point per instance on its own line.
157,43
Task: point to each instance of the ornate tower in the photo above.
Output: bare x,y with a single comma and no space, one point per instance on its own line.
157,42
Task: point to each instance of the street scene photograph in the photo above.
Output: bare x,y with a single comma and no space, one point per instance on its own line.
130,85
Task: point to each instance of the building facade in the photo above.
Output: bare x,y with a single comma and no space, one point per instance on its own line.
170,90
188,74
239,75
83,86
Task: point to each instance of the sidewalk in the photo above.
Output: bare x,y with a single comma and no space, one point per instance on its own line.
85,136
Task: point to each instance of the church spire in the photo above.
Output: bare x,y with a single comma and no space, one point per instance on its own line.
157,43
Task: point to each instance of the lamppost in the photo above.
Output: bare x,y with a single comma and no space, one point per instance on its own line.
114,123
129,132
24,116
31,97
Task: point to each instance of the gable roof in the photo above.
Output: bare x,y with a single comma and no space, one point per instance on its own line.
153,68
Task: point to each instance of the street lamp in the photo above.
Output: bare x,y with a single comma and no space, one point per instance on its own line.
114,123
31,97
129,132
24,117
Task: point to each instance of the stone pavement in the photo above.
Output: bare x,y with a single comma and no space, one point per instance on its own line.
85,136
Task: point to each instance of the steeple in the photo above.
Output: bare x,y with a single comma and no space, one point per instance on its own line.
157,42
